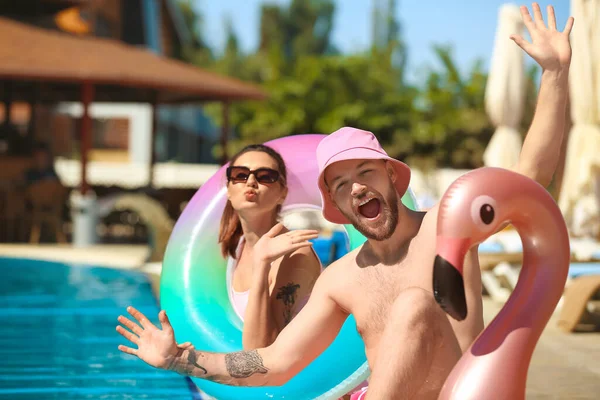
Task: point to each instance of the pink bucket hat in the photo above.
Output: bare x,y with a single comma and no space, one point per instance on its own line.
353,144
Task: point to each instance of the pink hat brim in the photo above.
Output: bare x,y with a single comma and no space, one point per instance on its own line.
330,212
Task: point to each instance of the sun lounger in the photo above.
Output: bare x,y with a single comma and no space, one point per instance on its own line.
509,241
575,302
501,257
491,254
583,283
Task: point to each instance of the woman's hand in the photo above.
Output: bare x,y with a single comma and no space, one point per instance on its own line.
156,347
271,245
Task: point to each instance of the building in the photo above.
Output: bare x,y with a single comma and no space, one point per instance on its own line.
57,52
121,131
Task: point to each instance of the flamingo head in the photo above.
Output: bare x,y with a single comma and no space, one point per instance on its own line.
470,211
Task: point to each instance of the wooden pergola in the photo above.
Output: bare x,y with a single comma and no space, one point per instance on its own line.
43,66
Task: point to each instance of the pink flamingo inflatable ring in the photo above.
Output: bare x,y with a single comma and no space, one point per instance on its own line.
473,208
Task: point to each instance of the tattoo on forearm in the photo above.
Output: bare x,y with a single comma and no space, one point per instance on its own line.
288,295
243,364
186,366
192,359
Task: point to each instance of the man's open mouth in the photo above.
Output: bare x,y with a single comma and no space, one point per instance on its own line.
370,208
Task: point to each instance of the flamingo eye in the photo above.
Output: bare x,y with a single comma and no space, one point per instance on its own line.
483,211
486,212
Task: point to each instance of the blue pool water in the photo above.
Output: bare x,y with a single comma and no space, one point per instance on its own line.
58,338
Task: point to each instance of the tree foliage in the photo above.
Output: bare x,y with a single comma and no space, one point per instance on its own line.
312,88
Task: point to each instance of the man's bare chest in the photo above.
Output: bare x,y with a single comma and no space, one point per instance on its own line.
376,287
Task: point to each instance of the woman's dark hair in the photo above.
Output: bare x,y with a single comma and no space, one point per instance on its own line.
230,230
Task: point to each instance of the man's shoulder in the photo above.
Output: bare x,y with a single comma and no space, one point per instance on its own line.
431,215
340,266
349,257
333,281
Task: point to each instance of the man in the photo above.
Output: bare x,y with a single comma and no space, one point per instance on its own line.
411,344
43,166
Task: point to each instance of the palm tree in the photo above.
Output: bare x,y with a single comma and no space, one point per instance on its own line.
287,293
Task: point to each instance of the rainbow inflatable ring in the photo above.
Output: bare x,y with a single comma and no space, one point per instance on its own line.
193,288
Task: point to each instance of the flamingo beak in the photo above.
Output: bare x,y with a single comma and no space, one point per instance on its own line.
448,284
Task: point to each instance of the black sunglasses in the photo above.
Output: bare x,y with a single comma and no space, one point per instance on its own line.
262,175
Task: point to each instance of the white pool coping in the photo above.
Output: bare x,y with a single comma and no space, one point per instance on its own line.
113,256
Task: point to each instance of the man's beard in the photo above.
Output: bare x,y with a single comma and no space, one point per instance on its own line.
386,226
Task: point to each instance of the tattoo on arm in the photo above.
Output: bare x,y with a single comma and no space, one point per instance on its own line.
185,366
287,294
192,359
243,364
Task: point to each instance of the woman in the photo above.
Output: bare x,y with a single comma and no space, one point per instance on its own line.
271,271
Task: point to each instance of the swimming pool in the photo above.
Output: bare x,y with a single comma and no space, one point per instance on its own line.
58,338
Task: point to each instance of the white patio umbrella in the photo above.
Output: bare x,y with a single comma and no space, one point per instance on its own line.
505,91
580,192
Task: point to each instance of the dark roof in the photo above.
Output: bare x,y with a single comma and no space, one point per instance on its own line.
55,64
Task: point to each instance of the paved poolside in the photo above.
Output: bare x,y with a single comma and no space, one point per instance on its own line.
564,366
